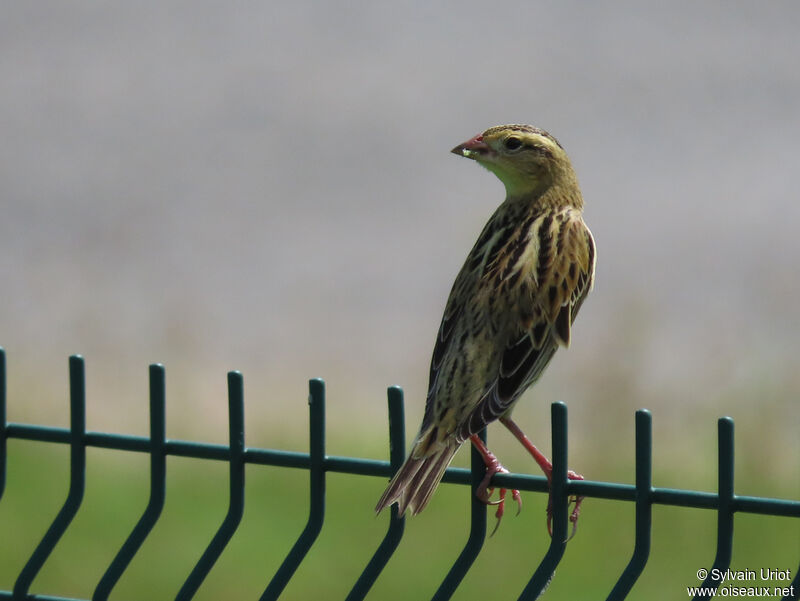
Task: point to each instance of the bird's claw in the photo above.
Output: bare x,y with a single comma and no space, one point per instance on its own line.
501,506
484,492
574,501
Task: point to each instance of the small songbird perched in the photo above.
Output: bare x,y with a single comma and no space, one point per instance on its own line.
512,305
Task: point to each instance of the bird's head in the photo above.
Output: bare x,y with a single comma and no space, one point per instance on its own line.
526,159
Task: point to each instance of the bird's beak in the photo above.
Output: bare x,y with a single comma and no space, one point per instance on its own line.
472,148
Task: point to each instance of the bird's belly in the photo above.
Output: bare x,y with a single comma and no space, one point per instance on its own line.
465,379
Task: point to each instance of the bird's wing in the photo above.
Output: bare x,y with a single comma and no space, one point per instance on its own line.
429,431
443,338
492,238
563,275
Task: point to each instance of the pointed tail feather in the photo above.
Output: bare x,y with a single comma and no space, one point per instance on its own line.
415,481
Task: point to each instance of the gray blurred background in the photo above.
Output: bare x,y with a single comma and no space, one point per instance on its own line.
267,187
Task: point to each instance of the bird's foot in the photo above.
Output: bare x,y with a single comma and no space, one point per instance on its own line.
574,501
547,468
484,491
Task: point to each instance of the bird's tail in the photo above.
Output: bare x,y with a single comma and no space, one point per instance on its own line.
415,481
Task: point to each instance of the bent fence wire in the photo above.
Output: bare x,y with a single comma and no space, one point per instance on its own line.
643,494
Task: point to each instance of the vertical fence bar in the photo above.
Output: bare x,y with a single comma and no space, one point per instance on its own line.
77,464
236,495
3,421
316,515
158,485
397,453
477,531
794,588
722,561
644,506
558,494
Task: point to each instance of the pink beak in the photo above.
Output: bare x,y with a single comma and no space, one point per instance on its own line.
472,147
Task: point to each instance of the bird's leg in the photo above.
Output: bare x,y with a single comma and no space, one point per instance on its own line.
484,491
547,468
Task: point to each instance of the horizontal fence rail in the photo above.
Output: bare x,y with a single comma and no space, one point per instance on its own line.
643,494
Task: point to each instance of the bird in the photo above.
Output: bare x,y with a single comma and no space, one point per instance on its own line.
512,305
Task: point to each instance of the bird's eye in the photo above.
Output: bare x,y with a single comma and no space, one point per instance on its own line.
512,143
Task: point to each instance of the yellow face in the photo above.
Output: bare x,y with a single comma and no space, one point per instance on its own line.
526,159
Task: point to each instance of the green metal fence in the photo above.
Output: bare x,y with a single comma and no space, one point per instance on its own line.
725,502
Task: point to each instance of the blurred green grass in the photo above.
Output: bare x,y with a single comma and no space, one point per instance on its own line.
276,509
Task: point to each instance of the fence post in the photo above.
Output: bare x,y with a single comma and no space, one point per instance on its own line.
316,514
3,421
397,453
158,486
722,561
558,491
644,506
477,531
236,495
77,480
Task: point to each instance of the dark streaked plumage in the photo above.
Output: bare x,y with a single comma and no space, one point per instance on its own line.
512,304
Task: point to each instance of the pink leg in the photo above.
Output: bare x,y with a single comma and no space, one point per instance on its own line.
484,491
547,468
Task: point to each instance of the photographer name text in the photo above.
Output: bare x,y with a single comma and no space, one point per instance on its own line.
750,575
